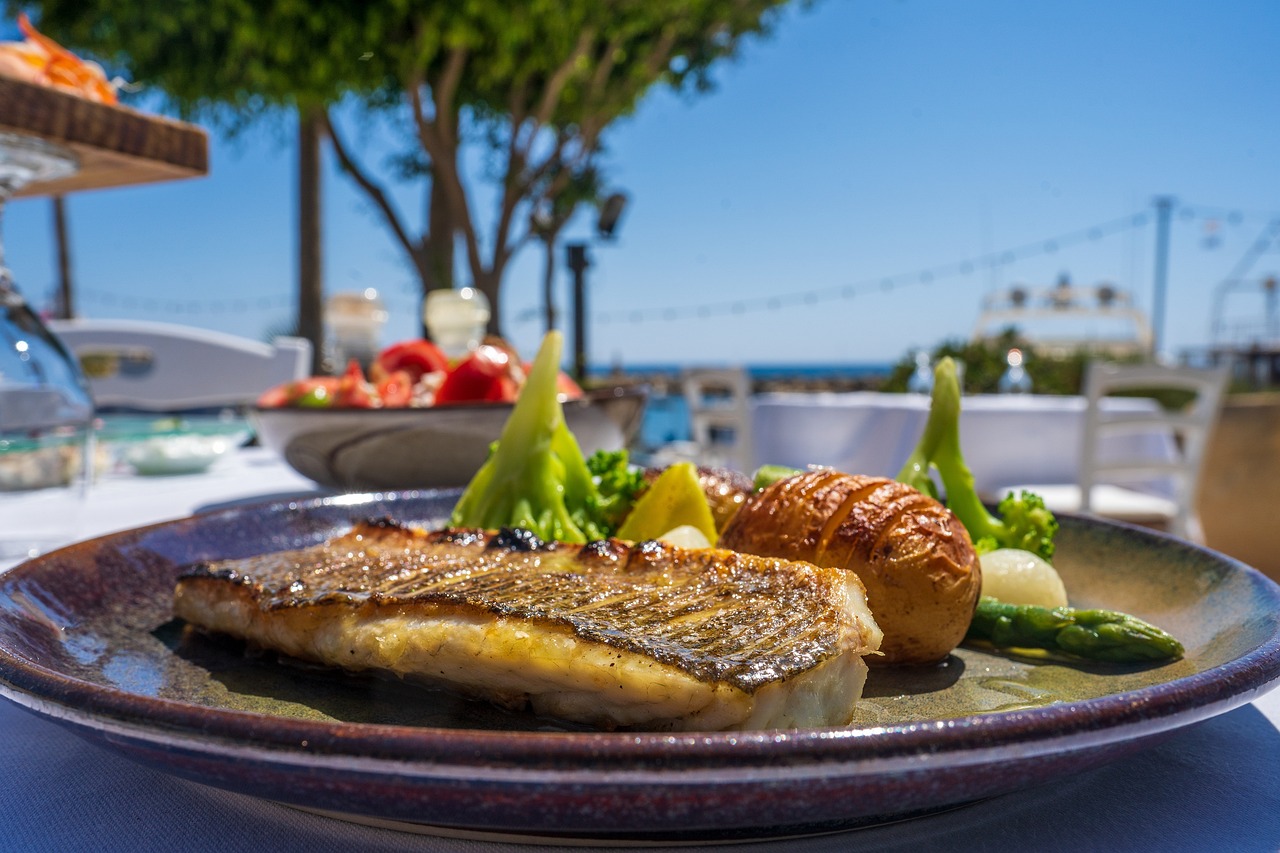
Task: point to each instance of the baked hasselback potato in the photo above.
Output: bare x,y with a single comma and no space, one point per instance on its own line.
915,559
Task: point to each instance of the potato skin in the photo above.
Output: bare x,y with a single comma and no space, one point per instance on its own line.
913,556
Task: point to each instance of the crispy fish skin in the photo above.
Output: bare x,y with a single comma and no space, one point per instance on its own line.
644,636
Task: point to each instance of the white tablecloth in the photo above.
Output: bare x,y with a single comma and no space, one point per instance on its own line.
1006,439
1212,786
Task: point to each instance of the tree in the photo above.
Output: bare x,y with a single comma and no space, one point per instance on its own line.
534,84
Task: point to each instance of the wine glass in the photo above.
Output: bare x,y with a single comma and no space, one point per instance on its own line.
46,410
456,319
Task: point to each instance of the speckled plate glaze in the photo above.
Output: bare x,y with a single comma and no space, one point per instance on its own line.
86,638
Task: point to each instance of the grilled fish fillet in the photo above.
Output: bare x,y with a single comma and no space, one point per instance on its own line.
646,636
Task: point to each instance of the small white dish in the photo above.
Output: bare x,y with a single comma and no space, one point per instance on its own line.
176,454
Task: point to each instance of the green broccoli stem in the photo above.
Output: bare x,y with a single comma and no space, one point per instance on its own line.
957,479
944,416
939,446
1103,635
535,476
1022,521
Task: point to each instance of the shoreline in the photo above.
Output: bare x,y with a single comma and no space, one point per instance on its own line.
665,380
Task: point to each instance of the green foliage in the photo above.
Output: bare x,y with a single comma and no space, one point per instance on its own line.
538,82
984,364
1022,520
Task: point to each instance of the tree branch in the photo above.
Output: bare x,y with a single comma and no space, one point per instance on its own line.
371,189
516,181
444,92
560,78
604,67
661,51
428,137
589,130
443,151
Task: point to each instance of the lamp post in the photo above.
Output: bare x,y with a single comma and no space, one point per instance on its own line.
576,258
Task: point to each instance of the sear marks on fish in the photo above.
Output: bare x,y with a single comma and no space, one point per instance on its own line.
611,634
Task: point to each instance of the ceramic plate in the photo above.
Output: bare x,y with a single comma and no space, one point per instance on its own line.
427,448
86,639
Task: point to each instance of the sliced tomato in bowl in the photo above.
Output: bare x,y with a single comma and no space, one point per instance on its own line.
415,357
354,390
396,390
490,374
315,392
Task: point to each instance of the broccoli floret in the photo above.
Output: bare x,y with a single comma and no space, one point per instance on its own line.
1023,521
618,484
767,475
1030,524
535,477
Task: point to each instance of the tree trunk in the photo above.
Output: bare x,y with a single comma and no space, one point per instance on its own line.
549,281
310,270
436,261
488,283
66,306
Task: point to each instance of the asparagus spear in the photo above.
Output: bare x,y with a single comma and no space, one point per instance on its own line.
1104,635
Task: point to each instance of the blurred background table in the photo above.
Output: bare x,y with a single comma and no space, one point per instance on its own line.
1006,439
121,500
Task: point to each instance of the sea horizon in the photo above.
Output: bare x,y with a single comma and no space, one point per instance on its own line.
760,371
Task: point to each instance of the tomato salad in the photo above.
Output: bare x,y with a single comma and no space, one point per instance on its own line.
416,374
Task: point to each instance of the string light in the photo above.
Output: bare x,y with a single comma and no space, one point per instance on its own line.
886,284
256,305
925,276
1197,213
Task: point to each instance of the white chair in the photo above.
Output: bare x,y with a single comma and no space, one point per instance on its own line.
1109,483
162,367
719,402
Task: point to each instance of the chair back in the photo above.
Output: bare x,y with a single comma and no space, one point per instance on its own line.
1190,428
163,367
719,402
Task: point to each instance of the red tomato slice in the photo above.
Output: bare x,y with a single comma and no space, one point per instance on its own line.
396,390
489,374
414,357
354,391
274,398
315,391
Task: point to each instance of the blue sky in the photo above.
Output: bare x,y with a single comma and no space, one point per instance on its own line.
864,140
